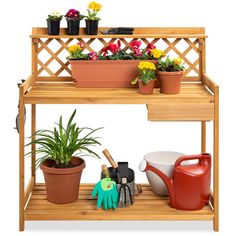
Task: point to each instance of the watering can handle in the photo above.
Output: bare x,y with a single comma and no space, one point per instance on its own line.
203,158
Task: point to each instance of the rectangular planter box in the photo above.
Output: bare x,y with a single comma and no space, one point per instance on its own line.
104,73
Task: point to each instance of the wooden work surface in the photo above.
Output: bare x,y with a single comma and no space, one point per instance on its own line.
66,93
147,206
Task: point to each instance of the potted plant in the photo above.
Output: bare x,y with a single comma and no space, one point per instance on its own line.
112,67
146,78
73,18
53,23
170,72
58,151
92,19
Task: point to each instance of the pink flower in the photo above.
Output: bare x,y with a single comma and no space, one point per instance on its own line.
93,56
80,44
72,13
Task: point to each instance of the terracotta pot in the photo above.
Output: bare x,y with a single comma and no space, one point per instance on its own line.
170,82
104,73
62,184
146,88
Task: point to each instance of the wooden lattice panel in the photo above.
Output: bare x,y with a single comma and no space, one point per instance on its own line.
51,52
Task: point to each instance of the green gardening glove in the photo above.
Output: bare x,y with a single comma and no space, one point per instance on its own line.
107,193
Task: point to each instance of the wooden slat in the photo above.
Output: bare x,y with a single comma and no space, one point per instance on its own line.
29,189
216,160
21,159
67,92
155,208
28,83
209,83
147,32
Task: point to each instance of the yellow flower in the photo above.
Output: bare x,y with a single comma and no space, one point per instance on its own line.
94,6
146,65
178,60
156,53
73,48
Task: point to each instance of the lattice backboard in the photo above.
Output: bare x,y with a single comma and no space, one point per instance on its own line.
51,53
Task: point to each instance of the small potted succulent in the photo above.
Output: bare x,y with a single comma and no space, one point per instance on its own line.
73,18
170,72
59,154
146,78
53,23
92,19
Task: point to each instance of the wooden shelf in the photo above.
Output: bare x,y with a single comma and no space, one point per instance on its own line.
42,92
147,206
139,32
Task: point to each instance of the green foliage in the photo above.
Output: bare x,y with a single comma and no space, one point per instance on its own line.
56,16
146,75
61,143
170,65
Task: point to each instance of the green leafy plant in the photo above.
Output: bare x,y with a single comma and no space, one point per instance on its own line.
170,65
146,72
62,143
55,16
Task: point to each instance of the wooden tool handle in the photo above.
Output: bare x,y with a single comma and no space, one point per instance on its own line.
110,159
105,171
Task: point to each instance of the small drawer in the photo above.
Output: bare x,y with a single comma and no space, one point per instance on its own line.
180,111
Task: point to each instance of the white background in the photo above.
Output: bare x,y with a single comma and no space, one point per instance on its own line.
127,134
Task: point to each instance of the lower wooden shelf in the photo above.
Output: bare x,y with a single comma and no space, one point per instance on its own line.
147,206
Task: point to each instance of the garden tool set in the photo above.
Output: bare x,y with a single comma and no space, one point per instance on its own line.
119,176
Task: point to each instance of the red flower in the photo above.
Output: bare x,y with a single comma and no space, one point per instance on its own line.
118,43
150,46
112,47
135,44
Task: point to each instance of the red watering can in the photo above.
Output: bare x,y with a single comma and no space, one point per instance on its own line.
189,187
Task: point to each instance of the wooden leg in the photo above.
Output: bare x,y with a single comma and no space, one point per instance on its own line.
21,161
216,162
33,129
203,134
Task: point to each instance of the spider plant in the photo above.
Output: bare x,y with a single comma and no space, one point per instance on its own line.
62,143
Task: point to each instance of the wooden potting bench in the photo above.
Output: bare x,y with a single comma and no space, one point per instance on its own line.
50,84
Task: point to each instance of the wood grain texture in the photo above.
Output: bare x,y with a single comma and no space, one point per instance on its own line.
147,32
147,206
216,161
21,159
181,111
66,93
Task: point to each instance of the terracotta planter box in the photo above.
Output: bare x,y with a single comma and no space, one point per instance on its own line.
104,74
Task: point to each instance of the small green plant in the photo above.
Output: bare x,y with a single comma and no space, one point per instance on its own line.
76,52
63,143
146,72
56,16
170,65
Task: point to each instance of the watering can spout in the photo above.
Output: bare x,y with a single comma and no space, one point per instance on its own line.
145,166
